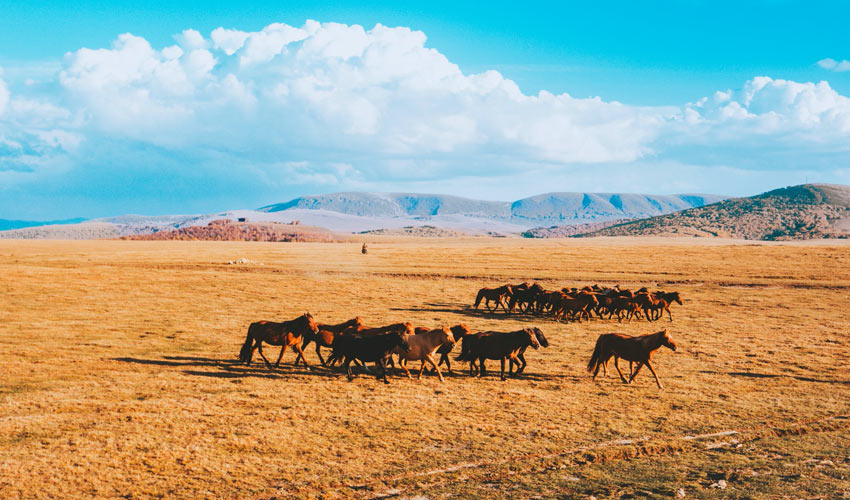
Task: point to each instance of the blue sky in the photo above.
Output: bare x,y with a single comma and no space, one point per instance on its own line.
654,97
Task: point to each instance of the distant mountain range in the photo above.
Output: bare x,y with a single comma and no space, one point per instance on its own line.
799,212
808,211
550,207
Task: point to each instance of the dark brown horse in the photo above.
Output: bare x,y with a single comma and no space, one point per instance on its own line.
325,336
495,345
363,331
369,348
286,334
520,356
633,349
497,295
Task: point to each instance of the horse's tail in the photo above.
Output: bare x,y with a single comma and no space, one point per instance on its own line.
465,351
478,298
596,357
247,351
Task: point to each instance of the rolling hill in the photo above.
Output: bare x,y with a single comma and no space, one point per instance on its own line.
808,211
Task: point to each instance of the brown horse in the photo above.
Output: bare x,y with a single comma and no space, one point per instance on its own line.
498,295
579,305
632,349
495,345
369,348
363,331
520,356
422,347
325,336
664,299
286,334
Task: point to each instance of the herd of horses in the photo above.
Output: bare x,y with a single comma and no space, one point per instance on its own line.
351,342
578,303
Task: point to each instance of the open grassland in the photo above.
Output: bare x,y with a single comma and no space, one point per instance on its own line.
118,374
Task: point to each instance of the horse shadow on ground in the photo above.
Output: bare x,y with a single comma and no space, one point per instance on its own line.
777,375
234,369
231,368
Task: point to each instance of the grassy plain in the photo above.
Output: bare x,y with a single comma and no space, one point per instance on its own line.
118,375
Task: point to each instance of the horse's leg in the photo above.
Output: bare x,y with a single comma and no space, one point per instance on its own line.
445,357
260,351
303,346
383,364
617,366
347,364
403,363
430,359
668,313
521,358
481,369
634,374
280,356
654,374
300,355
319,354
502,373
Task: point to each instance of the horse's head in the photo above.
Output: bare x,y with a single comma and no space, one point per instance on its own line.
458,331
307,320
446,337
540,337
537,289
674,297
593,299
668,341
532,338
399,339
355,322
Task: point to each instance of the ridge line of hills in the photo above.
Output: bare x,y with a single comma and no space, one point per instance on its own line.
806,211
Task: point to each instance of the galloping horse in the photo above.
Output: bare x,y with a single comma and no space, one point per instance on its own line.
325,336
286,334
498,295
632,349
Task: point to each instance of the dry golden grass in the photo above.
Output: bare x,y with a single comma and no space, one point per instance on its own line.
119,375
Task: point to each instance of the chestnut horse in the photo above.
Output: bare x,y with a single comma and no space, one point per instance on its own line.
498,295
495,345
422,347
581,305
633,349
325,336
286,334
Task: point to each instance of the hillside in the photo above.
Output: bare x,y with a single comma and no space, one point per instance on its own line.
225,230
550,207
569,231
808,211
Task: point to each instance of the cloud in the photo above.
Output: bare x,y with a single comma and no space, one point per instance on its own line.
833,65
259,116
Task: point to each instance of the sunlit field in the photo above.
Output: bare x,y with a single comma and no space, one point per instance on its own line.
120,378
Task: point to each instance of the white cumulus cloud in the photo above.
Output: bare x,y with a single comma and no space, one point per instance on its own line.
331,106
